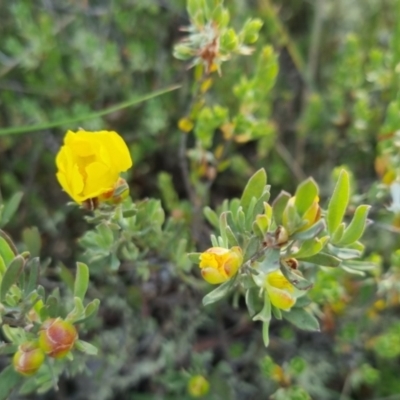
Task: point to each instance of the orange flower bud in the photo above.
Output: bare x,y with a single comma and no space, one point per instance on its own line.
57,337
28,359
218,264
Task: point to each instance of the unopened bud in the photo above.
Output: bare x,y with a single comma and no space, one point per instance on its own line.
28,359
281,236
116,195
251,30
57,337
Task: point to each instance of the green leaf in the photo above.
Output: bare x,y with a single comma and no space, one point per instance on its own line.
232,239
302,302
252,300
241,219
279,205
295,279
265,333
305,195
265,314
90,311
251,248
250,215
52,306
302,319
259,206
323,259
356,227
129,213
338,233
86,347
10,208
78,311
254,188
11,275
219,293
360,265
311,247
223,223
6,251
32,240
2,267
106,236
81,280
271,261
211,216
9,379
311,232
344,253
33,267
85,117
67,277
339,201
7,348
194,257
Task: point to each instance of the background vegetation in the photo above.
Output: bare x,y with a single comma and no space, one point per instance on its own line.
335,103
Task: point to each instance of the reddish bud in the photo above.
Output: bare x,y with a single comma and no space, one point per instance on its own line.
57,337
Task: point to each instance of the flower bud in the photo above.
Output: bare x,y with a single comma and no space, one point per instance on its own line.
218,264
118,194
251,30
198,386
28,359
312,215
280,291
57,337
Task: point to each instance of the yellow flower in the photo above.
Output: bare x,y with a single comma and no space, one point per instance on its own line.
198,386
280,291
218,264
89,163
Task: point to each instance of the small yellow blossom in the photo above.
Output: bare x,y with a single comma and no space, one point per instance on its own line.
280,291
89,163
198,386
218,264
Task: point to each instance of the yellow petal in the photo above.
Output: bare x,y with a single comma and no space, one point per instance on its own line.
208,260
117,149
277,280
280,299
213,276
100,179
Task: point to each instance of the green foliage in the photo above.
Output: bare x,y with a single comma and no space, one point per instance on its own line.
302,102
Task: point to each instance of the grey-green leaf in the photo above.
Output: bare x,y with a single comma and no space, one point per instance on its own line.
9,379
32,240
302,319
11,275
10,208
323,259
219,293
